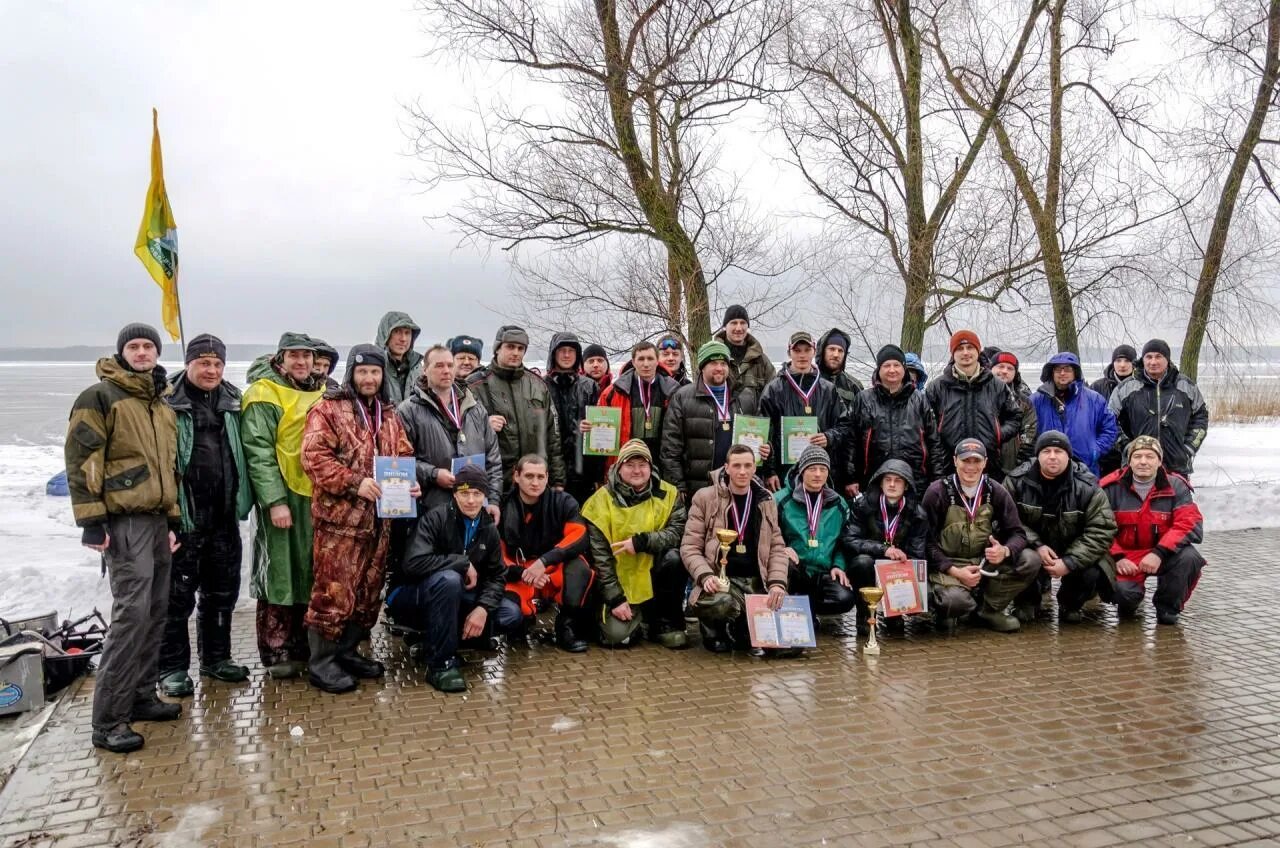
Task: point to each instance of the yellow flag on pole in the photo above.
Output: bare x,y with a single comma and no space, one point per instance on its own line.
157,244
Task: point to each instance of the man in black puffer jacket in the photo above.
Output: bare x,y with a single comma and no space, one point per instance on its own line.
572,392
799,391
886,522
1162,403
970,403
891,420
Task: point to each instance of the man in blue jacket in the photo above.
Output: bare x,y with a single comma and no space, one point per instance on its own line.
1064,403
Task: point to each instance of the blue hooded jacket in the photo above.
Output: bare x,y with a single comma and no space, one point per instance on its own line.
915,368
1084,415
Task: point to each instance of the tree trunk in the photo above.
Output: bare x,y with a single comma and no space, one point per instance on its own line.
919,280
1217,244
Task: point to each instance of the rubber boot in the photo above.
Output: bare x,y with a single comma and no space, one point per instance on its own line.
715,638
351,659
566,638
324,671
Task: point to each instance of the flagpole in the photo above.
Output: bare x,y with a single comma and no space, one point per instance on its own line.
182,331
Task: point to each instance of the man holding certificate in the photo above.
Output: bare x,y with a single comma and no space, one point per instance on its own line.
887,522
642,393
346,433
813,519
803,409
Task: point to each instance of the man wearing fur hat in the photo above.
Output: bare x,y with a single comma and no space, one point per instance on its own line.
749,366
1162,403
1158,525
466,351
345,432
634,526
520,407
970,403
121,457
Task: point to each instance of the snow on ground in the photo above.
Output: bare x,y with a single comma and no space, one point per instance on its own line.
44,568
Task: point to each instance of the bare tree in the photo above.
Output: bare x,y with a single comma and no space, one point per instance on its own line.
618,140
881,141
1240,40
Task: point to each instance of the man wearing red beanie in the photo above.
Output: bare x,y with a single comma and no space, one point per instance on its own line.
970,403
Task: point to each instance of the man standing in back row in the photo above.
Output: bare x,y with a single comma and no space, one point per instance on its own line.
121,454
1162,403
970,403
750,369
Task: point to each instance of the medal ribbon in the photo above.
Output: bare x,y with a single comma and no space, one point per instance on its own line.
722,409
890,527
814,509
376,426
971,507
740,521
453,409
805,396
646,395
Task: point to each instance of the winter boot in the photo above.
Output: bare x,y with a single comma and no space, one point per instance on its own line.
350,659
997,620
566,638
226,671
715,638
1166,616
151,708
120,739
324,671
177,684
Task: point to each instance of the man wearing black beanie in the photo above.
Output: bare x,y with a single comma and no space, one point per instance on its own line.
749,368
891,420
1119,370
121,456
1162,403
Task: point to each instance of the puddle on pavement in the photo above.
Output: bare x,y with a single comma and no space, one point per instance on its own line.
671,836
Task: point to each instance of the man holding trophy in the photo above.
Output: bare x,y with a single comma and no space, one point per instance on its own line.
733,547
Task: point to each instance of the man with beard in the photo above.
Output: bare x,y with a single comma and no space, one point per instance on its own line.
671,358
121,456
520,408
466,351
970,403
595,364
1069,527
544,540
272,419
397,334
799,392
324,363
642,393
1158,527
1120,369
975,544
1064,403
444,421
1162,403
886,522
346,431
750,368
833,354
571,393
698,428
1020,449
634,525
891,420
450,584
214,498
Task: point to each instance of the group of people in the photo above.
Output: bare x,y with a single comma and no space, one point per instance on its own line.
997,488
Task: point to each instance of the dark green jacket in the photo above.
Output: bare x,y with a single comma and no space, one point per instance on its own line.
121,448
229,408
521,397
1078,524
833,523
401,376
754,370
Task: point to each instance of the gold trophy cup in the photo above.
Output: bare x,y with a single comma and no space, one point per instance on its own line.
726,536
872,596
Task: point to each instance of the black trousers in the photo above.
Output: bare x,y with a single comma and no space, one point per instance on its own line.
1175,580
205,578
1080,585
826,596
437,606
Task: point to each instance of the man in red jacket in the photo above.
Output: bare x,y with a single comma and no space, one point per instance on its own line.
1158,525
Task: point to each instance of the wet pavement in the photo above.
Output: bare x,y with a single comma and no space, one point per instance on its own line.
1106,733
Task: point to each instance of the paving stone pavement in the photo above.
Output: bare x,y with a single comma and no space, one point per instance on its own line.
1105,733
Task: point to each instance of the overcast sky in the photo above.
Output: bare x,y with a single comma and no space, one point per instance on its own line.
284,160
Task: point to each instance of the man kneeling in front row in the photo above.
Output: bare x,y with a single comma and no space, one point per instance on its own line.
634,523
453,568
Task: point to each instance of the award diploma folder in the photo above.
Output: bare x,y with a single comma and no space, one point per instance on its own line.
905,585
788,627
395,476
796,430
606,429
751,431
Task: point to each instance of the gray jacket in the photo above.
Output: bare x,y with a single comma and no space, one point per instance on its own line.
436,442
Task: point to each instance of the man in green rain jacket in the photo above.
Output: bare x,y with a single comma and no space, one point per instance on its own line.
273,415
397,334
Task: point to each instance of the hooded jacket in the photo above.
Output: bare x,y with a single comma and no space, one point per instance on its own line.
898,426
620,396
227,405
982,408
121,447
437,442
754,370
915,371
1164,523
399,377
780,400
1108,382
1022,446
867,536
833,522
343,436
521,397
571,393
1070,515
708,512
1171,409
653,519
1081,413
689,433
439,544
847,387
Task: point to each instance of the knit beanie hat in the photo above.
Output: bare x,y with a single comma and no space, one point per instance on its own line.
137,331
835,337
1150,443
1053,439
591,351
510,333
736,312
813,455
1124,351
891,352
204,345
1159,346
713,350
633,448
470,477
960,336
1006,357
466,344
